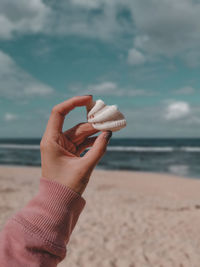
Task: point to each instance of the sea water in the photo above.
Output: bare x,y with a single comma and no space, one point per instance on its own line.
176,156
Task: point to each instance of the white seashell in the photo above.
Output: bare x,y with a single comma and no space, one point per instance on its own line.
110,125
98,105
105,117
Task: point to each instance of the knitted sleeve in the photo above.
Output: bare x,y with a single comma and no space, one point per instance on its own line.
38,234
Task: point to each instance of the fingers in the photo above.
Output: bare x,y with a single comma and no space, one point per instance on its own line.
59,112
68,145
87,143
79,132
98,149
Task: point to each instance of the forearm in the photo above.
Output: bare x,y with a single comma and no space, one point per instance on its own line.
39,233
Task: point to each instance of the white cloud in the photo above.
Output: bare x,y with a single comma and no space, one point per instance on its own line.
91,18
168,28
22,17
149,121
160,28
110,89
16,82
187,90
87,3
194,121
94,19
135,57
177,110
10,117
39,89
105,87
100,19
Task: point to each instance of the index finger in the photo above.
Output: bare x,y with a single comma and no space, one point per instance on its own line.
58,113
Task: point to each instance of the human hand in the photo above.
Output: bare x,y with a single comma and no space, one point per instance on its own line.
60,151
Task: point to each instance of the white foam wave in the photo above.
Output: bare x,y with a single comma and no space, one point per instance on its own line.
19,146
111,148
179,169
190,149
140,149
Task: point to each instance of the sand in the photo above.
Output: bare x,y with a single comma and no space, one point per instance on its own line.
131,219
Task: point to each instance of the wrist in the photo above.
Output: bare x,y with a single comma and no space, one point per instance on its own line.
75,181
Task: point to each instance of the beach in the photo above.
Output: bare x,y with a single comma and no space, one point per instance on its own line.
131,219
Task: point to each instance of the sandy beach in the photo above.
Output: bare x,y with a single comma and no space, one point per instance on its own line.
131,219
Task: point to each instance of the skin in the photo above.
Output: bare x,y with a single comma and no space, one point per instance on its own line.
60,151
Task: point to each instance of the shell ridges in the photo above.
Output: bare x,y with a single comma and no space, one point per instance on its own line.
105,117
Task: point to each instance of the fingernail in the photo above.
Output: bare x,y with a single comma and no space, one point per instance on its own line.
108,135
87,95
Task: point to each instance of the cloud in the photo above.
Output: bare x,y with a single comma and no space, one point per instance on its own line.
135,57
10,117
159,28
168,28
87,3
102,88
150,121
192,58
19,17
177,110
194,121
91,18
99,19
17,83
187,90
109,88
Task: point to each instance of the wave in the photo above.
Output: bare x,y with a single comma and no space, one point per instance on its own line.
111,148
191,149
20,146
140,149
152,149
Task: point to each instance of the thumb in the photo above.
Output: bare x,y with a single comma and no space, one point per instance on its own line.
98,149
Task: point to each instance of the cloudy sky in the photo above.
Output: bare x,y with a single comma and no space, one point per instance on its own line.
143,55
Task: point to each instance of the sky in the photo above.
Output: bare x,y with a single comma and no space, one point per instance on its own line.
142,55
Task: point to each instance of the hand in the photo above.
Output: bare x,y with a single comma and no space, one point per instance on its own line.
60,151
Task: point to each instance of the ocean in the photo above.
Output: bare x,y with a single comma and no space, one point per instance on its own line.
176,156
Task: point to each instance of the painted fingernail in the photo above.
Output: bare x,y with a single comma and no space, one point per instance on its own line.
108,135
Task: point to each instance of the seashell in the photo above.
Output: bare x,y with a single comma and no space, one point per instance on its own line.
96,106
105,117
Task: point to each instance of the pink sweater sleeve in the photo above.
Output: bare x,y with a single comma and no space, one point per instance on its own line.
38,234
